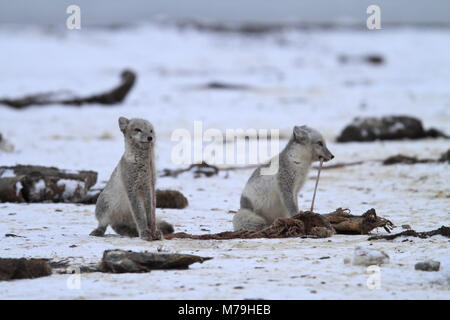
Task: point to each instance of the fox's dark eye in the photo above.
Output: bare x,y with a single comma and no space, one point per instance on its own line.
138,130
320,143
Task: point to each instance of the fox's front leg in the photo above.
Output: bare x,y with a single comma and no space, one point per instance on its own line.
135,194
289,199
151,198
150,207
140,216
137,207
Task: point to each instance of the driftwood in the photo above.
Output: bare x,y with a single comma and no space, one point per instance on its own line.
225,86
165,199
48,184
304,224
443,231
374,59
345,223
198,169
445,157
429,265
64,267
121,261
207,170
114,96
113,261
387,128
248,29
400,158
297,226
37,184
22,268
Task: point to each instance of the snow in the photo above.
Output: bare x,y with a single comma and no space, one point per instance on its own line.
71,171
19,187
39,187
70,187
297,79
8,173
398,126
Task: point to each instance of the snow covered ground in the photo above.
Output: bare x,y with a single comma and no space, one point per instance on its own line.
298,79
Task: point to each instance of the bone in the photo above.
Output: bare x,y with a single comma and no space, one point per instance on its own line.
317,183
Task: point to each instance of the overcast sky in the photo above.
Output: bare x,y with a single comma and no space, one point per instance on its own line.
106,12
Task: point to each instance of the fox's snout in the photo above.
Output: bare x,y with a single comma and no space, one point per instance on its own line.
327,155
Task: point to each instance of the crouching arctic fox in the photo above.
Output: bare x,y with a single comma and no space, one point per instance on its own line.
128,201
270,196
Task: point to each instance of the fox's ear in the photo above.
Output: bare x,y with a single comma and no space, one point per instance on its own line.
301,134
123,124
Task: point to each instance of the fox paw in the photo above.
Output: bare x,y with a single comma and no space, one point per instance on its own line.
148,236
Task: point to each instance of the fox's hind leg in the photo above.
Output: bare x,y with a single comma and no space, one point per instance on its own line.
245,219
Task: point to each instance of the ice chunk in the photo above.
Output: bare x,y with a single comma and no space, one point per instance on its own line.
368,256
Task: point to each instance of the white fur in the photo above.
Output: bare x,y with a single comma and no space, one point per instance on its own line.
268,197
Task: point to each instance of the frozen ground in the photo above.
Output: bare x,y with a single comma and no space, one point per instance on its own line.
298,80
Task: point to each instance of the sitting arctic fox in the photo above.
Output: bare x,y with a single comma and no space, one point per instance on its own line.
128,201
270,196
